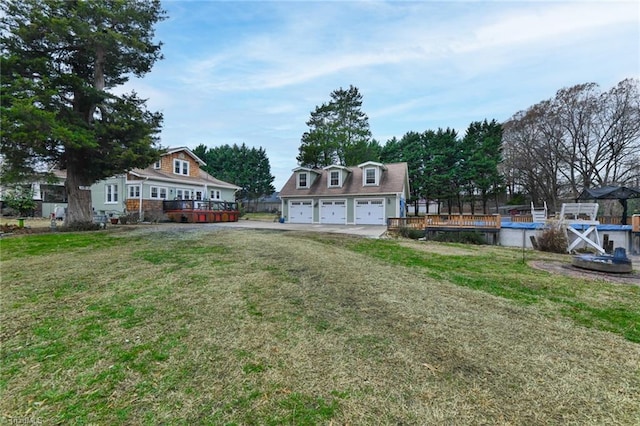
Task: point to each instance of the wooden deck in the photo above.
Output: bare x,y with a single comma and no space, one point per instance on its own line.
196,211
492,221
484,222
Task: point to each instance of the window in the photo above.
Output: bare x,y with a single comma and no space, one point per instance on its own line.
159,192
370,176
157,164
302,180
215,194
183,194
334,178
198,195
134,191
111,194
180,167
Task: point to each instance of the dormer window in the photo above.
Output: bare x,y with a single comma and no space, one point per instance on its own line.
334,178
157,165
181,167
370,176
303,180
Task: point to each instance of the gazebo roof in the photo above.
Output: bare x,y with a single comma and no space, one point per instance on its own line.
609,193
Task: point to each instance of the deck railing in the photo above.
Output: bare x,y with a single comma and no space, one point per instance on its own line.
463,221
414,222
189,205
482,221
472,221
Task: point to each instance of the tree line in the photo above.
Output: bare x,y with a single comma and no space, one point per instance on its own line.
441,165
580,138
245,167
61,61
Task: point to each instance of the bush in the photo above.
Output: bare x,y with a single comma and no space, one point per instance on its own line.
80,226
20,199
553,239
464,237
154,216
132,217
412,233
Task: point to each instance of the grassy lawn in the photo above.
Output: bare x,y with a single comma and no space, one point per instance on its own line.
197,326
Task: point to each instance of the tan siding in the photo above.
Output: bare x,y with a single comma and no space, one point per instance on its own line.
167,163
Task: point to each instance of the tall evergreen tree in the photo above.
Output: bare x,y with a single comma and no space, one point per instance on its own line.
246,167
482,153
59,62
338,133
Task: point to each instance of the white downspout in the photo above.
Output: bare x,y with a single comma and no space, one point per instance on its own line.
141,197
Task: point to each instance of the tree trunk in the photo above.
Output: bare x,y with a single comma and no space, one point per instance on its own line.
79,200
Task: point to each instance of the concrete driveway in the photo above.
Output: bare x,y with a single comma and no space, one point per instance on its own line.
370,231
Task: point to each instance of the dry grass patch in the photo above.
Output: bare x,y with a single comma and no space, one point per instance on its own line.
249,327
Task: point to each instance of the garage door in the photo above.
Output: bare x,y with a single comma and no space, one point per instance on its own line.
300,212
370,212
333,211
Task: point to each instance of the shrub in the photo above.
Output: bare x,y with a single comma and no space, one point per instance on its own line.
131,217
154,216
464,237
553,239
412,233
80,226
20,199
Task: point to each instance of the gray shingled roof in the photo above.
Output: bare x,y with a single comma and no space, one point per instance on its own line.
392,181
204,178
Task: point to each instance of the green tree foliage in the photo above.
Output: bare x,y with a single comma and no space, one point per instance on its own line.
20,199
432,160
338,133
442,168
481,155
59,62
246,167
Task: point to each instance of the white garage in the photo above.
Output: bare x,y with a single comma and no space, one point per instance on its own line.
333,212
370,212
301,211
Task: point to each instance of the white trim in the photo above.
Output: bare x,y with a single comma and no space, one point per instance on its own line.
307,180
302,202
332,200
159,190
376,176
132,186
111,191
330,178
181,167
368,200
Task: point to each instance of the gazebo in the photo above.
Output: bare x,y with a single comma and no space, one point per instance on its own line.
620,193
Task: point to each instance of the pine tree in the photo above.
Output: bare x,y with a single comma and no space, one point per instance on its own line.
59,62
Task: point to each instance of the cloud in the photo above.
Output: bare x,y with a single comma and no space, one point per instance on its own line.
252,72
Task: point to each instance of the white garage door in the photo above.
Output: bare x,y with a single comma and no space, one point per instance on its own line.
300,212
370,212
333,211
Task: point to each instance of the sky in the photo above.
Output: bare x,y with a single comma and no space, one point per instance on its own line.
252,72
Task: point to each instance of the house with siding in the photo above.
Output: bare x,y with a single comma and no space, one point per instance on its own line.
366,194
175,176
